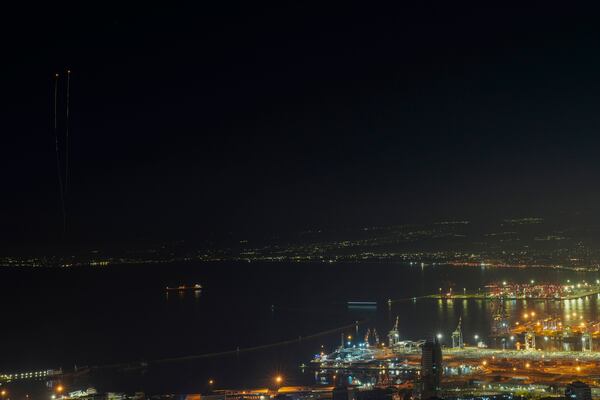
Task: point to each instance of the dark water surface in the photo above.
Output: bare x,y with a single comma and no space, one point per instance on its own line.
55,318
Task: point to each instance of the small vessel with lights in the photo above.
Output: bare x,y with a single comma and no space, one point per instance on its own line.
184,288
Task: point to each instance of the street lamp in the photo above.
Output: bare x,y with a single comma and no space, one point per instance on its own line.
439,336
278,379
476,337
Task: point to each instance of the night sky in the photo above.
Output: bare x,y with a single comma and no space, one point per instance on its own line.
255,118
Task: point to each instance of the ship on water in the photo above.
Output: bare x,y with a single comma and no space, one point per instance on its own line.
184,288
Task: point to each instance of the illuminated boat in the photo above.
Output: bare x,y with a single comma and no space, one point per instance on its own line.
364,305
184,288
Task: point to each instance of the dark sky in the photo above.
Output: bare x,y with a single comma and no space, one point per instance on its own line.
250,117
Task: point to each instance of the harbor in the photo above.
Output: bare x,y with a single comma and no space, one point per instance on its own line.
522,291
359,341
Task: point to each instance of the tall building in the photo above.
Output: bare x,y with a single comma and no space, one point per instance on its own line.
457,336
578,391
431,369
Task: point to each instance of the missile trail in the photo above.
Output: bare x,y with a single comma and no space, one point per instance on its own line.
67,134
58,171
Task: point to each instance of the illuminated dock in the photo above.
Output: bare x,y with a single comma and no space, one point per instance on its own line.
528,291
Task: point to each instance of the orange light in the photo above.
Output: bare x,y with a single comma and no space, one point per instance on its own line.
60,388
3,393
210,382
527,365
278,379
533,313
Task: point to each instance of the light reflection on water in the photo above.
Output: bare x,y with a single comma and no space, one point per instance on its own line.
477,318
